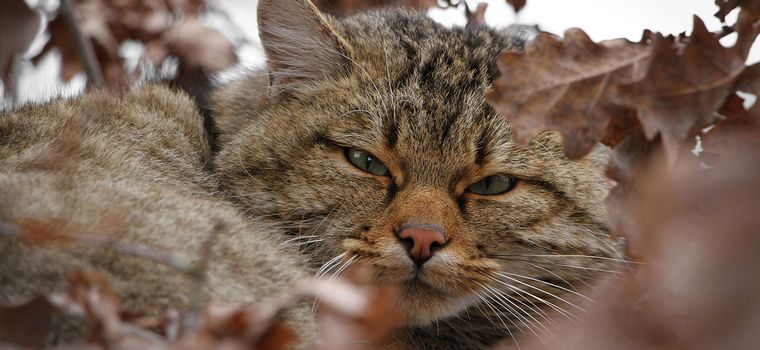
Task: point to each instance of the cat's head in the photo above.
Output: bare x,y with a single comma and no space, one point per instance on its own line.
370,141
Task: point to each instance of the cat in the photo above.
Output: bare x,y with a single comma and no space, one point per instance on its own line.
370,135
364,142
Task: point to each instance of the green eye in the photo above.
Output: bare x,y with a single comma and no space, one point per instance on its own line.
492,185
366,162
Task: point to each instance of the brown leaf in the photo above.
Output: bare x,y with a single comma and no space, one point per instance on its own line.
199,47
19,25
695,287
726,6
749,80
258,326
738,134
732,107
477,17
565,86
26,324
94,25
629,159
517,4
354,311
682,88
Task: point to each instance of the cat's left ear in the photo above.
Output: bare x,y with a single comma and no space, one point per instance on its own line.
301,43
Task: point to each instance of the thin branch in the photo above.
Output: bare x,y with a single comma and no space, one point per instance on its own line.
83,46
198,273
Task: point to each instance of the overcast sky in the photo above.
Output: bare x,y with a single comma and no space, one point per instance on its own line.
602,19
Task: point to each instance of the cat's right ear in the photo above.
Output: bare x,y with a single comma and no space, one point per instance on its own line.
300,42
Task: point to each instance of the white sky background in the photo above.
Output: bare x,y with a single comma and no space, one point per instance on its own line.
601,19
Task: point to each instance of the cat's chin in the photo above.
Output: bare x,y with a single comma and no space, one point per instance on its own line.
424,304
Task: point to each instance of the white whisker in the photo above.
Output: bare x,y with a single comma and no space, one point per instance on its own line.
540,290
560,310
488,303
553,285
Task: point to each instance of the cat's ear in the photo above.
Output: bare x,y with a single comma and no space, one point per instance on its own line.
300,42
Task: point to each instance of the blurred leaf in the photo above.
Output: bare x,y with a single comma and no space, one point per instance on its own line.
26,324
517,4
726,6
154,23
19,25
739,131
200,47
477,17
355,311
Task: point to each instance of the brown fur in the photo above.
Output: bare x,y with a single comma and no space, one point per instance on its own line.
410,92
132,168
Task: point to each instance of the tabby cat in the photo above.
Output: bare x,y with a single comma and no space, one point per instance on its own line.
365,141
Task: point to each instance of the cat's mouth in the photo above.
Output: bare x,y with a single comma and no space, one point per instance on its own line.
429,293
438,288
424,301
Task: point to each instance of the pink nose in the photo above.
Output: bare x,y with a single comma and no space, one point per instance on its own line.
423,238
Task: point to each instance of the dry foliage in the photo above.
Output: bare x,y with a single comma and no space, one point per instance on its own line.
17,18
165,28
690,222
351,312
600,92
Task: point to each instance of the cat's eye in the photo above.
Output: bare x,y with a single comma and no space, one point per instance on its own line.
493,185
366,162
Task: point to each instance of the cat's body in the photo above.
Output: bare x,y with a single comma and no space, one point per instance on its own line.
129,168
436,198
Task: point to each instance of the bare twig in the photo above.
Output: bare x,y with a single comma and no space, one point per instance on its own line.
83,46
136,250
198,273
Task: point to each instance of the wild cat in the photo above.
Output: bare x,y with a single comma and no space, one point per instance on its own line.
365,141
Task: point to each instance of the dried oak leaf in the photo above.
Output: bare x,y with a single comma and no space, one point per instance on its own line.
565,86
26,324
627,160
749,80
255,327
477,17
355,311
726,6
517,4
682,88
102,315
93,17
19,25
733,135
200,47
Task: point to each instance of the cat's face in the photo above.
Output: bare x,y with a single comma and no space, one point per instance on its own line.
385,155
